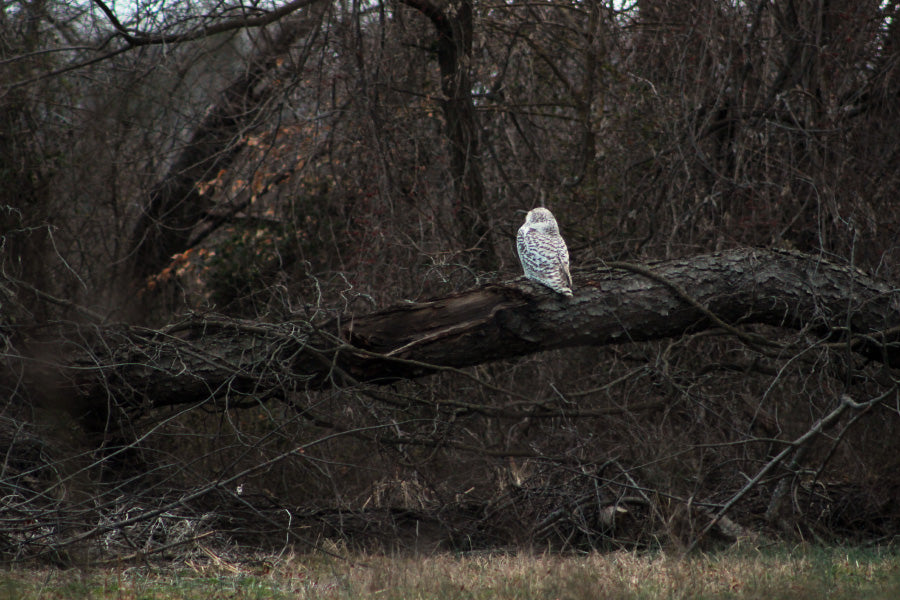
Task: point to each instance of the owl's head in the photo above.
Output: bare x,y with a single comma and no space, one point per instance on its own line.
537,216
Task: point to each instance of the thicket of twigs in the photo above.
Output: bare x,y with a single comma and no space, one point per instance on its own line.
328,160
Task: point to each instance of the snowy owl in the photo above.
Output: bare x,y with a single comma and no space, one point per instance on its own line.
543,252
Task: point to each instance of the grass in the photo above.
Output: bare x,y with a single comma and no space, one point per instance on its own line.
783,573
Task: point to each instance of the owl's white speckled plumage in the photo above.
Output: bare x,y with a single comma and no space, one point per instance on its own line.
543,252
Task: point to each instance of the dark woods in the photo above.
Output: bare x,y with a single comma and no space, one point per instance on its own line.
208,221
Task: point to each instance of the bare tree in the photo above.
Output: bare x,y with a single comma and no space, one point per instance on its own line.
176,208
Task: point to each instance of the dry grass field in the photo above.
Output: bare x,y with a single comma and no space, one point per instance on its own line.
784,573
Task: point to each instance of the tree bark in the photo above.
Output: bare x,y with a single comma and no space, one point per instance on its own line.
215,357
454,53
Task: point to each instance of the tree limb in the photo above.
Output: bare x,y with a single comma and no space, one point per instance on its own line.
135,40
215,356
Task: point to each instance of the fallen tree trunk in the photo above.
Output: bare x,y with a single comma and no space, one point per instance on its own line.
225,358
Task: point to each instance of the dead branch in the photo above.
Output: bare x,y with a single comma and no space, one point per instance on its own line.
212,356
797,445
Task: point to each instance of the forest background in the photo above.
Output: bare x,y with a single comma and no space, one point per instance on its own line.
175,166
